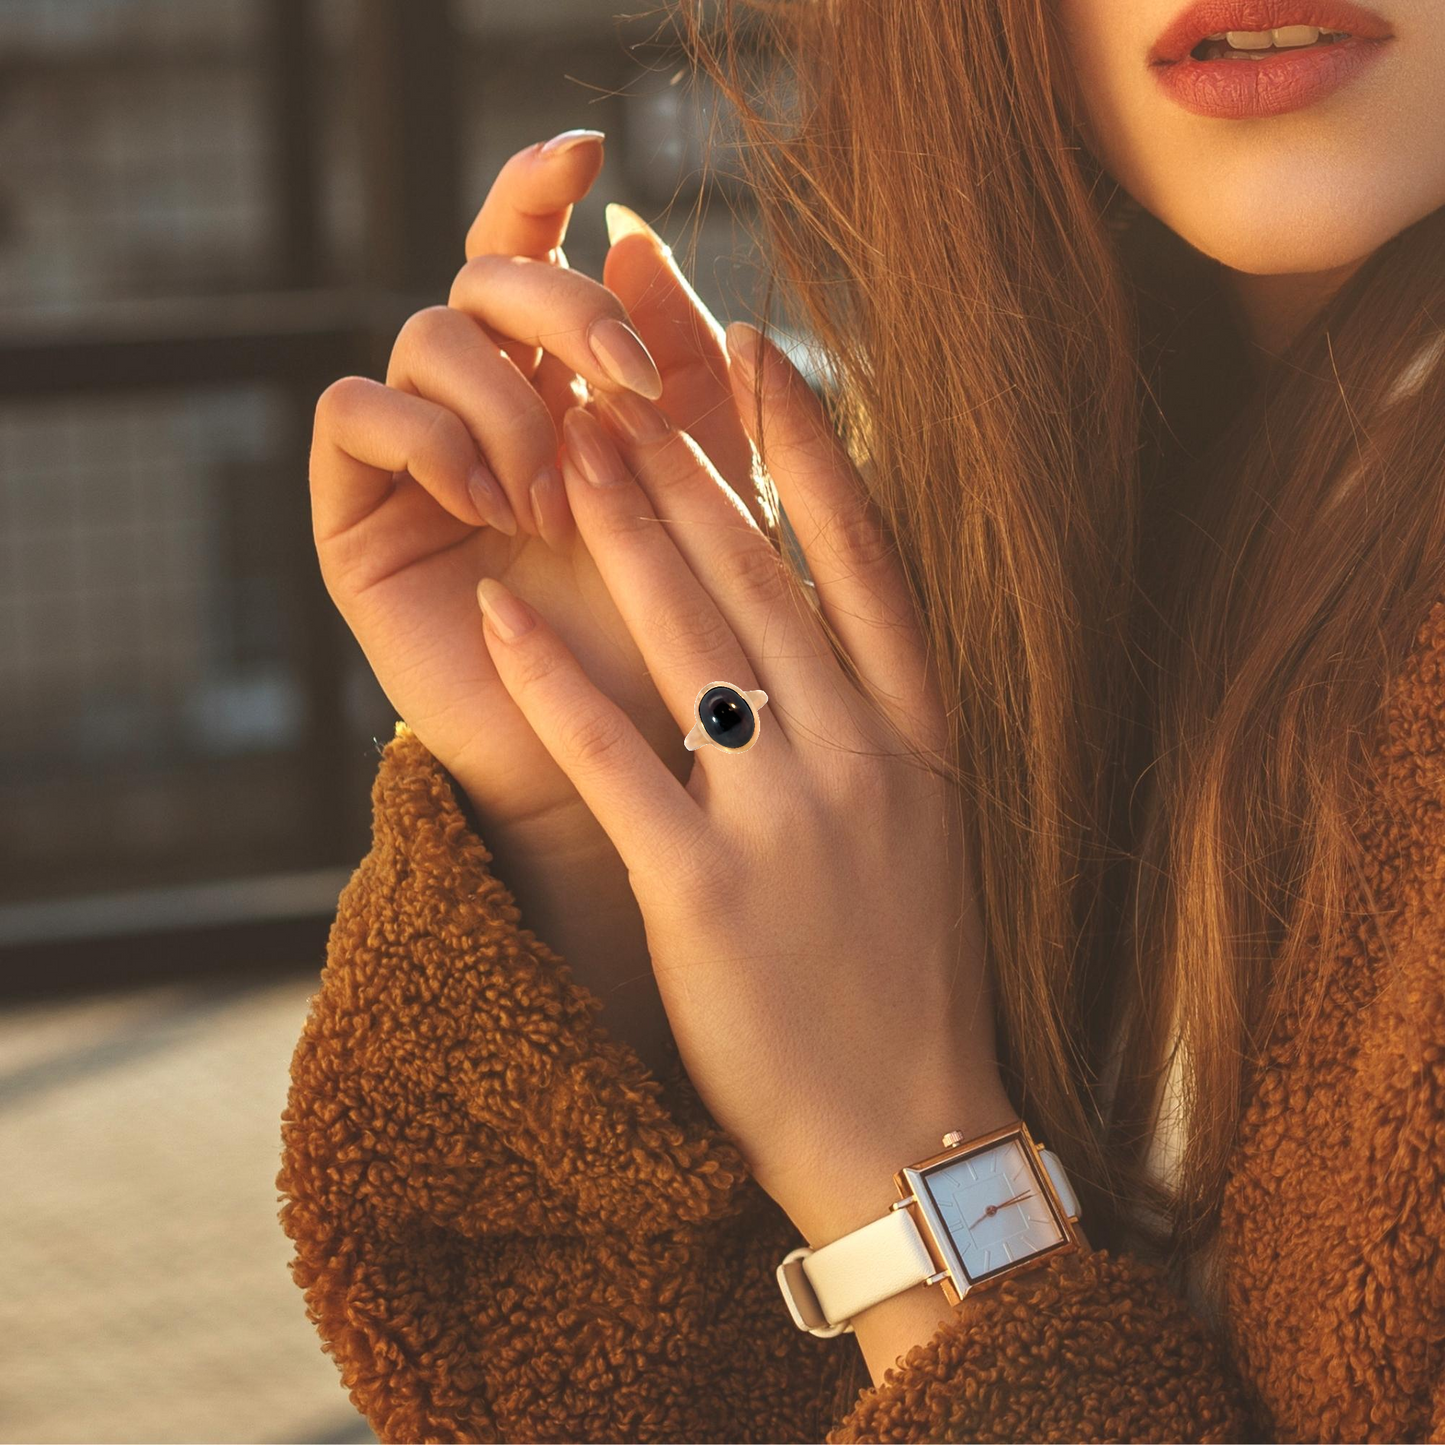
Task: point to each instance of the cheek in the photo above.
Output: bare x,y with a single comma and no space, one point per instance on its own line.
1093,68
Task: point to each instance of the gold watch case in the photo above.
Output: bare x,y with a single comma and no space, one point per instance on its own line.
976,1235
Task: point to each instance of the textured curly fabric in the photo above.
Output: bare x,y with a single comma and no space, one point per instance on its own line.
506,1228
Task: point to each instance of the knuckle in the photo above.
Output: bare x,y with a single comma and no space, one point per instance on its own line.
591,737
696,630
803,443
446,442
425,329
340,399
475,273
858,535
534,670
462,280
758,573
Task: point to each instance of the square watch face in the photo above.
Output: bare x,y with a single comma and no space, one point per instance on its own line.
993,1207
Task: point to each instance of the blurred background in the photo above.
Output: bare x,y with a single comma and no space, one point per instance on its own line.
208,210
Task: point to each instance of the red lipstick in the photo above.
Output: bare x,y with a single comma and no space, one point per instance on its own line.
1280,80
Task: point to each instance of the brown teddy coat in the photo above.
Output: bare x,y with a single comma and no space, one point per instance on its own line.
507,1229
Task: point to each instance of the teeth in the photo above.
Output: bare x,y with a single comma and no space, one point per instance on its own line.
1282,37
1286,35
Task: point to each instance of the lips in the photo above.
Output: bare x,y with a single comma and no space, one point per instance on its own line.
1208,17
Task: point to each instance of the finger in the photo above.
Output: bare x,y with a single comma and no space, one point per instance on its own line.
527,210
770,613
679,629
576,319
365,434
442,354
529,207
688,345
851,555
631,792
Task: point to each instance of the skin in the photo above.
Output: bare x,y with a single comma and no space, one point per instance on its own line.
774,922
1288,205
401,544
767,923
732,900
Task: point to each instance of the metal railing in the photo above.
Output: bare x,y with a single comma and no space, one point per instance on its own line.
85,899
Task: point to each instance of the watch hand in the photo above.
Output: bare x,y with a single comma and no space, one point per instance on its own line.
994,1208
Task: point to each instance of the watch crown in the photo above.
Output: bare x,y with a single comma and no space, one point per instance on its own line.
951,1138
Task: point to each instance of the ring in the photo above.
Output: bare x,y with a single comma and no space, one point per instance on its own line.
727,717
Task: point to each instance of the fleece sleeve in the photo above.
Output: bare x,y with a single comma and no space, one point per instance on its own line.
1089,1348
505,1227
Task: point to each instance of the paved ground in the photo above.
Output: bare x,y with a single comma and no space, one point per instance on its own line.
145,1294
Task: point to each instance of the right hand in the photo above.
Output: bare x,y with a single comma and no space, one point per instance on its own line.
402,544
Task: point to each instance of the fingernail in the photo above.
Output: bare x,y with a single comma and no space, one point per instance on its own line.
590,448
508,614
490,501
624,221
621,354
544,491
566,140
636,417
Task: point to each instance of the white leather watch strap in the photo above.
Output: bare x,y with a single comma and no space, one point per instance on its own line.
873,1263
1062,1187
870,1264
867,1265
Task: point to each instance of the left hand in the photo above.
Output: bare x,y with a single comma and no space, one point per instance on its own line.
811,915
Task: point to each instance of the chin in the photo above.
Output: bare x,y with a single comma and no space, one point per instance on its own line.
1278,226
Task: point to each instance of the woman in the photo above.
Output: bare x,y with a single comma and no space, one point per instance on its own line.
1090,704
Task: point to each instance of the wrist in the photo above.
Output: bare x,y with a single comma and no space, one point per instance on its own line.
856,1186
888,1328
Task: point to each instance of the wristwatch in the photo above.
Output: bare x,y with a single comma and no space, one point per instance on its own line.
983,1209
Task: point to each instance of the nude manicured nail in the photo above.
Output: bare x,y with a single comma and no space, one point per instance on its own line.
624,221
508,614
544,492
621,354
635,416
490,501
592,449
567,140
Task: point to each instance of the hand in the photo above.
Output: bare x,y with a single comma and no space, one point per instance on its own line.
810,913
400,534
402,540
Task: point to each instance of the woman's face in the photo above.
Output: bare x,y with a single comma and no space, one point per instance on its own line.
1276,170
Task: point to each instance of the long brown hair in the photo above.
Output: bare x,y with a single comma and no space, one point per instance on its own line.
1167,593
